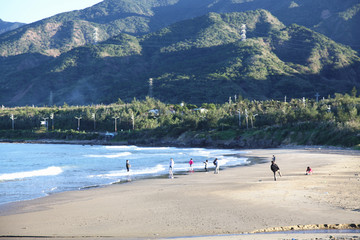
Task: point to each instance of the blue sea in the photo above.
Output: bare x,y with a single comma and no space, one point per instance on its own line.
29,171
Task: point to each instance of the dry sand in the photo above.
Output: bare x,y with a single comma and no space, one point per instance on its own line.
238,200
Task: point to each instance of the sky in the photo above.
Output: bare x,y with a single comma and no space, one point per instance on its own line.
28,11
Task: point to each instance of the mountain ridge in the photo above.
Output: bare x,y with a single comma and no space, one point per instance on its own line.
9,26
109,18
197,60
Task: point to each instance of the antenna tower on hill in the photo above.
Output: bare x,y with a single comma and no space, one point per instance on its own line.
243,32
95,35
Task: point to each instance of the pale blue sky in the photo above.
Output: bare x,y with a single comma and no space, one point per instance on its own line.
28,11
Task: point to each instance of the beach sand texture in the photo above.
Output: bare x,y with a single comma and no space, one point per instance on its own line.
238,200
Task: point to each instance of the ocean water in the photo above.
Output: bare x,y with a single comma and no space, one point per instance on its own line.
29,171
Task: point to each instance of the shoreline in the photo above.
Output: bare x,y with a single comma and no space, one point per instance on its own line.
238,200
126,143
252,161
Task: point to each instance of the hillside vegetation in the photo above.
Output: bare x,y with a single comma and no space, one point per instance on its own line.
235,124
197,60
8,26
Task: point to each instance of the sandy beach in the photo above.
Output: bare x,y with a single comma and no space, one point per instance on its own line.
238,200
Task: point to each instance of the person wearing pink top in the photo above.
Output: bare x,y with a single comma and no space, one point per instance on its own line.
308,171
191,162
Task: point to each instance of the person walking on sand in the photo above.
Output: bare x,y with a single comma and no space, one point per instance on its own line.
171,168
216,163
206,165
191,162
275,168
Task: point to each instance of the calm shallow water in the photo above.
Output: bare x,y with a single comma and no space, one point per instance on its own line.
29,171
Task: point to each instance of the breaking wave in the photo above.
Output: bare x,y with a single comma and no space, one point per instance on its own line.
50,171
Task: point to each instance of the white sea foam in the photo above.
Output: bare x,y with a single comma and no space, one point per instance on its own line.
201,153
210,152
123,173
123,154
151,148
120,147
50,171
194,149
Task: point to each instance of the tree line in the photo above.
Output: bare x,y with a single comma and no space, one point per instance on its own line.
178,118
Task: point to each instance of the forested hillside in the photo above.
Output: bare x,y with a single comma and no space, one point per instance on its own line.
52,36
199,60
192,53
8,26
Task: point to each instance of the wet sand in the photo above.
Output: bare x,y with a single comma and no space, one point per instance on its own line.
238,200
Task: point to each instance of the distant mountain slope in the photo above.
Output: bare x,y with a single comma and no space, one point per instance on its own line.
8,26
65,31
197,60
343,26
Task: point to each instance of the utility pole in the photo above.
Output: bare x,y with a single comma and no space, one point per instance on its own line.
150,87
78,118
239,111
252,123
317,95
12,121
93,116
133,121
247,119
115,118
52,120
51,99
46,123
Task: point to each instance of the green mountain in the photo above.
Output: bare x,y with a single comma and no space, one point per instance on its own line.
335,18
8,26
343,27
197,60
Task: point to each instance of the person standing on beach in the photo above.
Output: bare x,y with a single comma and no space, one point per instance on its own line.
275,168
216,163
171,168
206,165
273,158
191,162
128,166
308,171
